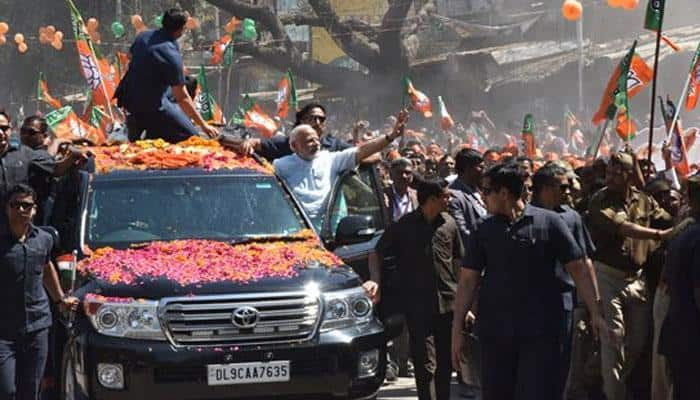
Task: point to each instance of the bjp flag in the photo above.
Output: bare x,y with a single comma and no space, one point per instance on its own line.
286,95
65,124
42,93
419,101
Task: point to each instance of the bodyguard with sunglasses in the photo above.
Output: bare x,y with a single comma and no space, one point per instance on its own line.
551,187
26,275
511,259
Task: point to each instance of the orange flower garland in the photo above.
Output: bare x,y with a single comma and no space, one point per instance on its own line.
158,154
191,262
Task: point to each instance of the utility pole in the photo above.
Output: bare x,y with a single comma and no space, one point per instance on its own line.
118,10
581,62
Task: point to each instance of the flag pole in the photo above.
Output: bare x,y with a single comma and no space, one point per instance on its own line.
601,135
653,91
676,115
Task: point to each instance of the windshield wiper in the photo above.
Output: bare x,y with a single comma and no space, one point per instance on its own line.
268,238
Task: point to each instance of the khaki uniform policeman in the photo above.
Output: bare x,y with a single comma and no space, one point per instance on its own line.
624,224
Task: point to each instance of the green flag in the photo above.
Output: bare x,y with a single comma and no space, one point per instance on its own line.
204,101
655,15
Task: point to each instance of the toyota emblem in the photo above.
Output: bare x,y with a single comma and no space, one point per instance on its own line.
245,317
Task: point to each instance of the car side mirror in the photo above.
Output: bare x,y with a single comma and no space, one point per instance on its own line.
354,229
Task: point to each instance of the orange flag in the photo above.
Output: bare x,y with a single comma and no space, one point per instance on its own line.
254,117
66,125
95,70
639,75
43,93
419,101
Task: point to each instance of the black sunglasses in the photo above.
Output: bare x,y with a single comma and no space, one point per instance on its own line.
5,128
22,205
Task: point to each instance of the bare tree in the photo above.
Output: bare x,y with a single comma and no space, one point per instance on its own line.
379,49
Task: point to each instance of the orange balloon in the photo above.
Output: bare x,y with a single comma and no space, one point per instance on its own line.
22,48
3,40
50,30
92,24
19,38
615,3
572,10
42,29
43,39
136,20
58,35
4,28
630,4
57,44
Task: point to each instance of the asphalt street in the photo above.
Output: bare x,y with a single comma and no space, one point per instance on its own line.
405,388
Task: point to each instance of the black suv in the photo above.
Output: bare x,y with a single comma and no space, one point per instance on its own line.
315,335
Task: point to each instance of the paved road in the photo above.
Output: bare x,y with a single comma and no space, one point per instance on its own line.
405,389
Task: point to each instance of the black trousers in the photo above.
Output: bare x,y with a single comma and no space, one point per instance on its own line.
22,362
685,376
520,368
565,340
430,339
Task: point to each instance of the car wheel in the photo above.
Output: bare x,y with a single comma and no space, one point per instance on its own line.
69,384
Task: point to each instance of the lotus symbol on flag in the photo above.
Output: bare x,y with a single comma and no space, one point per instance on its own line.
633,80
75,128
281,95
90,71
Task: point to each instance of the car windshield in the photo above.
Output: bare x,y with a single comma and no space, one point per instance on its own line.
232,208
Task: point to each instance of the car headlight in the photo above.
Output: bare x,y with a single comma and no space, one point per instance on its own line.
346,308
124,317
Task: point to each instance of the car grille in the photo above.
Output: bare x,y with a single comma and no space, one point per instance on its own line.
207,320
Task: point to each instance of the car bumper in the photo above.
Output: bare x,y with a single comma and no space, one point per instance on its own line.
325,367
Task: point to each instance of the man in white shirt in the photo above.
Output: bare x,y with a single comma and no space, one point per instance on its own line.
311,172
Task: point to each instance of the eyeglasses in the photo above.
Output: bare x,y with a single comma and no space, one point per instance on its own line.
22,205
5,128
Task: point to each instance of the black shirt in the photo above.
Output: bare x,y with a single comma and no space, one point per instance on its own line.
20,163
680,333
425,254
520,294
278,146
25,305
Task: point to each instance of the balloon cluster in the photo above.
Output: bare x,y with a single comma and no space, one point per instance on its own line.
572,10
249,31
49,35
624,4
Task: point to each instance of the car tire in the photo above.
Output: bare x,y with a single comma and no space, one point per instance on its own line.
69,389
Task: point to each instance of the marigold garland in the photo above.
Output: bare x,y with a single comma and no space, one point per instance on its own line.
158,154
190,262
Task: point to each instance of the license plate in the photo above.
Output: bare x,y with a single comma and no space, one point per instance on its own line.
254,372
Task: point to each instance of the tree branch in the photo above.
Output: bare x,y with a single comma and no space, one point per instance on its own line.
355,24
357,46
261,14
393,54
333,77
